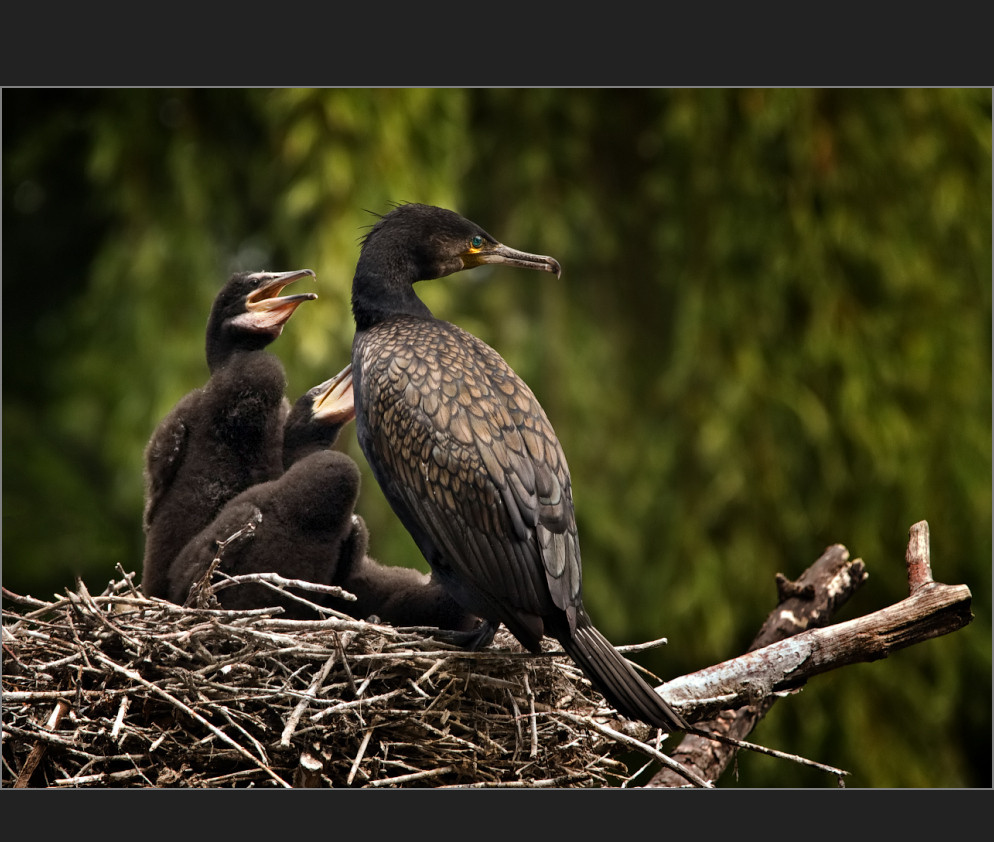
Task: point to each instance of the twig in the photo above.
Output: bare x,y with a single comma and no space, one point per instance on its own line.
414,776
60,710
119,719
533,724
359,756
278,583
632,742
311,692
128,579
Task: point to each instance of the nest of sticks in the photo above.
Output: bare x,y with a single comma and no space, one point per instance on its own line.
117,690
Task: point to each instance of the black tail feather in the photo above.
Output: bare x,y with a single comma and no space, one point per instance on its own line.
611,673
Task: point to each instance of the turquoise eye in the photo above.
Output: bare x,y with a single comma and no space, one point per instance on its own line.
476,242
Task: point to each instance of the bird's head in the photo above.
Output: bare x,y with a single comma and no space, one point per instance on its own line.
425,242
332,402
414,243
318,416
249,312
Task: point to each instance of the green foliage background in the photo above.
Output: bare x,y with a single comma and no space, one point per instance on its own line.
772,333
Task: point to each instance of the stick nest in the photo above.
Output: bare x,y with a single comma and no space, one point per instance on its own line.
120,690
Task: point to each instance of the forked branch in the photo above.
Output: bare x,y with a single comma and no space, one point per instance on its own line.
796,644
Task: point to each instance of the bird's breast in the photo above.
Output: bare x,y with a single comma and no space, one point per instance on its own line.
431,392
423,406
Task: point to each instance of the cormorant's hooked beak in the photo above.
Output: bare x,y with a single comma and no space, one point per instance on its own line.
334,401
499,253
265,308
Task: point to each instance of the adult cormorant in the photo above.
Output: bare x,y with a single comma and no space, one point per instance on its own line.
465,454
227,435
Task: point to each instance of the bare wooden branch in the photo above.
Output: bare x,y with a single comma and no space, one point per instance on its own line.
739,692
918,558
784,666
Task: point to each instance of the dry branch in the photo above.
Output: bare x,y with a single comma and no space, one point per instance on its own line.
739,692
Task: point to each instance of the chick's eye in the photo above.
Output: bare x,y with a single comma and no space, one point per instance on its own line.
476,242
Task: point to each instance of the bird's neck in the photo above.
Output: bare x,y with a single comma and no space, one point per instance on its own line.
378,296
223,348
